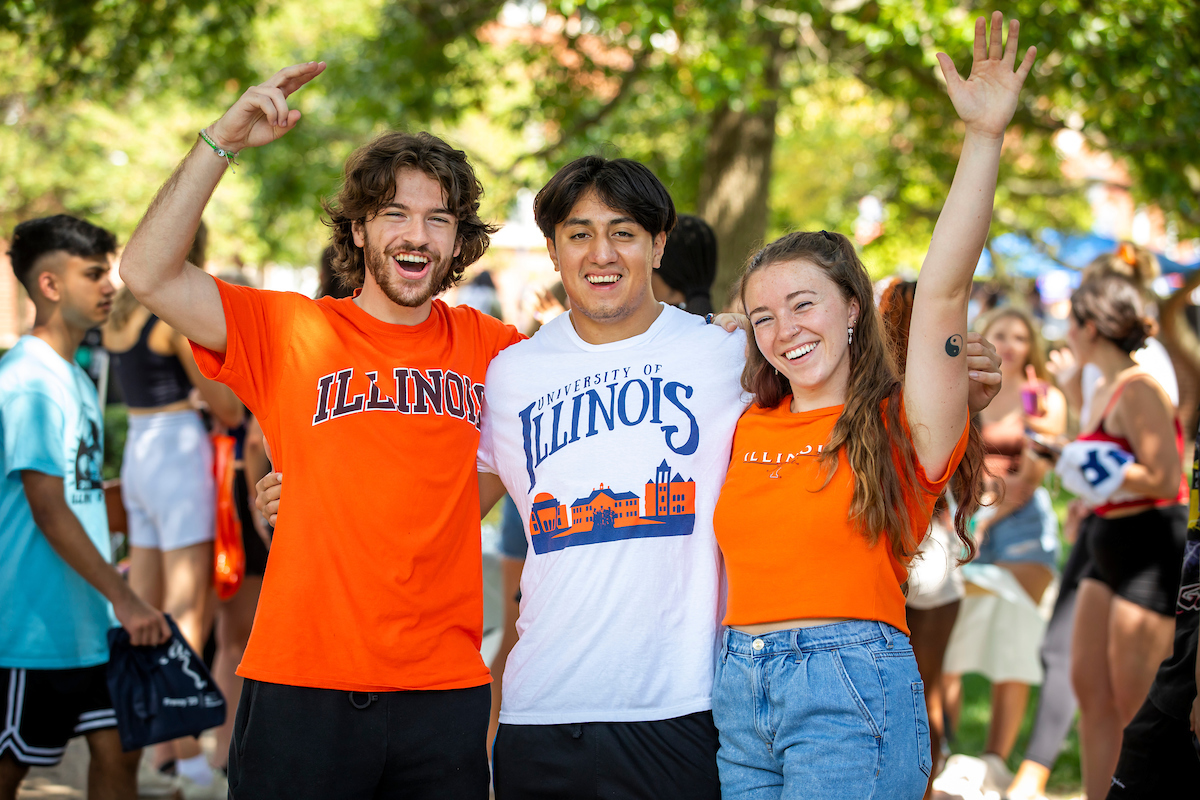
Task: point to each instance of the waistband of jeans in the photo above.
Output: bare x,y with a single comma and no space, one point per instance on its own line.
818,637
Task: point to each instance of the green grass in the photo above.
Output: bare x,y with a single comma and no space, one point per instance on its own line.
977,702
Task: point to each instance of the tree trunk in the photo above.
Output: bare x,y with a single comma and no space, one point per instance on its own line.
735,185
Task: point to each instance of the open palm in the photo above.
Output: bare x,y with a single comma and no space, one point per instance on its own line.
986,100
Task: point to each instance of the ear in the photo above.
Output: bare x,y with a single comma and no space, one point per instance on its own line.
360,233
853,311
660,244
553,252
50,285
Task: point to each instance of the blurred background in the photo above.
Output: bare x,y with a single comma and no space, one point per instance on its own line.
760,117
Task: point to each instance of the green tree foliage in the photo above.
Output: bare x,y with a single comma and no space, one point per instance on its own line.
740,106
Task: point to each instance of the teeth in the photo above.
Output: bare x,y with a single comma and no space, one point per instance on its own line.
800,351
603,278
415,259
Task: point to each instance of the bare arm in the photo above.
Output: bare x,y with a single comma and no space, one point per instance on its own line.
221,400
66,535
256,465
491,490
153,265
936,388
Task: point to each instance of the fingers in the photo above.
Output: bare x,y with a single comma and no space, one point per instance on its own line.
164,630
995,49
1027,63
987,378
949,71
289,79
980,51
1010,46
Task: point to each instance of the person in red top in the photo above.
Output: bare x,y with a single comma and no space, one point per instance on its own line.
1128,466
833,477
363,673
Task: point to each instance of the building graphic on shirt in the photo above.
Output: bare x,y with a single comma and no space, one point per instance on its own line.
607,515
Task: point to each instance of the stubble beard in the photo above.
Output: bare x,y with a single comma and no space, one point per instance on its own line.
394,287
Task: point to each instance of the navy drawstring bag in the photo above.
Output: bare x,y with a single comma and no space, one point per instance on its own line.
162,692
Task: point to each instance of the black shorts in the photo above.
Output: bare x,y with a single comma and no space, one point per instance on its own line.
293,743
256,549
1158,758
670,758
1140,557
43,708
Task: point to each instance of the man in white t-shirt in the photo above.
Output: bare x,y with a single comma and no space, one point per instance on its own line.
611,429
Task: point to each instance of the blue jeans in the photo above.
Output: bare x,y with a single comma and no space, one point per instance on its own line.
833,711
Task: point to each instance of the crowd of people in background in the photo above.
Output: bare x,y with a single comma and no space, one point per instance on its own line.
721,650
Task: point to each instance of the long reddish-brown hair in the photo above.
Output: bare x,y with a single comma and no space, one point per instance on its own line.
880,453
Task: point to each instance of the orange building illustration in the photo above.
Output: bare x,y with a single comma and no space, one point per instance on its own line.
669,496
606,515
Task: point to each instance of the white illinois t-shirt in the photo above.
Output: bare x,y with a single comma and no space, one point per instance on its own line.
614,454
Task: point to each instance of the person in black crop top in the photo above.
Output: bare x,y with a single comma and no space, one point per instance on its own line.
166,479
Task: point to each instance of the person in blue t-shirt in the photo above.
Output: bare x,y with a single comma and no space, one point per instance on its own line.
59,592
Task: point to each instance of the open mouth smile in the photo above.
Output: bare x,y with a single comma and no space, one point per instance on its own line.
601,280
800,352
412,265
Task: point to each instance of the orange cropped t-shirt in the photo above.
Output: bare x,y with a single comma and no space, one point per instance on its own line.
790,551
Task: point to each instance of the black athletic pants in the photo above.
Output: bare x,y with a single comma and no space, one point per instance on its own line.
659,760
1159,758
296,743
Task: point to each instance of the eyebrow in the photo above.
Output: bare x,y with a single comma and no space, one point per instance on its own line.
789,299
613,221
403,207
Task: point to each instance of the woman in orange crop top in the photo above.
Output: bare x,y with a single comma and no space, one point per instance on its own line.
1128,465
833,476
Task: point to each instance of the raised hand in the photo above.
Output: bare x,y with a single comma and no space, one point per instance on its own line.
261,115
987,99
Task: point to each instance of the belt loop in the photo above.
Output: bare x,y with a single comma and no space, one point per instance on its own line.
795,636
886,630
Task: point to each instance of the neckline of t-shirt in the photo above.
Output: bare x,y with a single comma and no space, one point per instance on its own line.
57,362
360,317
784,409
656,327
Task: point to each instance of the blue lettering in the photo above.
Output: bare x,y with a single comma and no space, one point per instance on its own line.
623,409
693,440
595,402
526,429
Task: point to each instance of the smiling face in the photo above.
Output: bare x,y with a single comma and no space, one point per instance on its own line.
606,259
1013,342
408,246
799,318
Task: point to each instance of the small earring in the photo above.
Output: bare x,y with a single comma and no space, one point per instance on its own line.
850,335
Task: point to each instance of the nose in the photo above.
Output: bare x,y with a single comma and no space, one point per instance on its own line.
106,287
602,251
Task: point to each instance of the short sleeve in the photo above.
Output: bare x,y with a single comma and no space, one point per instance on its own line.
246,365
485,456
936,486
33,434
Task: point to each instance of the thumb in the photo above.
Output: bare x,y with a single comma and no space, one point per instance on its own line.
949,71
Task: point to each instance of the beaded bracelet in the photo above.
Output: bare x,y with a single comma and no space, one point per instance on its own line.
228,155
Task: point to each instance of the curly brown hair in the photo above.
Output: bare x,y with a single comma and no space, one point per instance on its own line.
369,183
881,455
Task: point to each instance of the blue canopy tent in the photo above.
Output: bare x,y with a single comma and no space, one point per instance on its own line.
1027,259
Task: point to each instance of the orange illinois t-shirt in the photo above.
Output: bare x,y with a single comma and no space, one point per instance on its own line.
790,550
374,580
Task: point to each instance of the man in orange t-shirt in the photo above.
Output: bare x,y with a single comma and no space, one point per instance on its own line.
363,672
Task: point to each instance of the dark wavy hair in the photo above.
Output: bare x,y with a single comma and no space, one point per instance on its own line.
35,238
881,455
369,183
1114,304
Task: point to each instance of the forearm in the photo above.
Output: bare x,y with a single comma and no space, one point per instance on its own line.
962,226
1146,481
157,251
66,535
